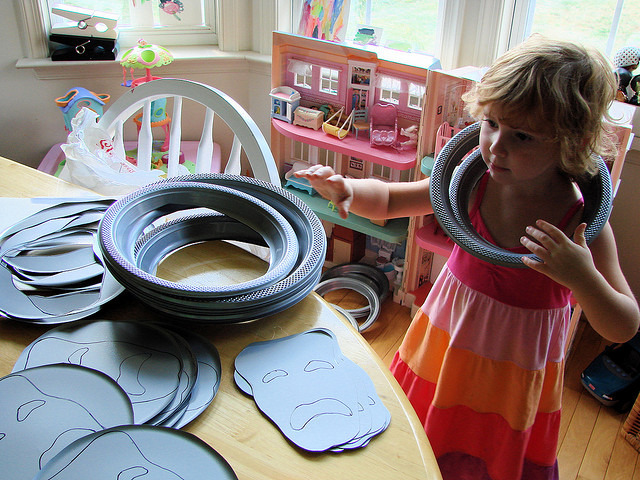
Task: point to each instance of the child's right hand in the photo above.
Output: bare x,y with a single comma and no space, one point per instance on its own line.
330,185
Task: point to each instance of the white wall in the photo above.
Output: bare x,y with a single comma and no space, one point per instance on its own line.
31,123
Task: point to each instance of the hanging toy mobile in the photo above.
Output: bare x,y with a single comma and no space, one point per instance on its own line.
146,55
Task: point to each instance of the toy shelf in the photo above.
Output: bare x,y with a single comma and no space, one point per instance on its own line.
354,147
429,238
395,231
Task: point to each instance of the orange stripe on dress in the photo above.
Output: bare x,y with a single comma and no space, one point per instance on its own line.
460,375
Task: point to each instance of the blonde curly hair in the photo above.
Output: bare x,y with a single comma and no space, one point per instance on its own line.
563,88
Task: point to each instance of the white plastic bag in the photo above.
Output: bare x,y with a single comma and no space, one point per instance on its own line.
91,160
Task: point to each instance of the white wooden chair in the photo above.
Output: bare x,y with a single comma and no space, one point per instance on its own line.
247,135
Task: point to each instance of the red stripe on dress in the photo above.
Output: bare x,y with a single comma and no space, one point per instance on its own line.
486,436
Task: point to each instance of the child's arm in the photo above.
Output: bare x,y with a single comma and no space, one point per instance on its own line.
593,273
369,198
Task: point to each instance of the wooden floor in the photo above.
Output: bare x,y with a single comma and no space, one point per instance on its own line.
590,447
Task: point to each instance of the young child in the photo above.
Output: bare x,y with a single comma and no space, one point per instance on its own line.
482,362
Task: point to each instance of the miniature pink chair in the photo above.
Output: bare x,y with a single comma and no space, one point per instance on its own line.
383,124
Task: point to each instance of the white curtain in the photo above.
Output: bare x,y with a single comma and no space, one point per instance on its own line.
393,84
299,67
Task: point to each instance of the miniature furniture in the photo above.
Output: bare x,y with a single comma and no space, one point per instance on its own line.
300,183
383,120
360,121
232,424
246,133
284,101
443,135
308,117
338,124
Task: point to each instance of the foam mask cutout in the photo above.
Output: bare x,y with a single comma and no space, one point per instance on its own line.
138,452
145,361
318,398
45,408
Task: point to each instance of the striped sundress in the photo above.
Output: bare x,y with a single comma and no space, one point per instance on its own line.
482,364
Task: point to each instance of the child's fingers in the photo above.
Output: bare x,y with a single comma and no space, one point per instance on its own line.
578,235
312,170
335,179
549,230
343,209
534,247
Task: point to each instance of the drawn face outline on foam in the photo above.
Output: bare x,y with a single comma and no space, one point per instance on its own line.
312,409
130,461
320,405
148,371
46,408
35,406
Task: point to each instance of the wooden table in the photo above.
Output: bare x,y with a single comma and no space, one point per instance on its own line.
232,424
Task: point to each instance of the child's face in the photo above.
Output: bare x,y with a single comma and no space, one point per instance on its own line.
515,151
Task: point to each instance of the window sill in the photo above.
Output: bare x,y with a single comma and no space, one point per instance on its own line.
189,59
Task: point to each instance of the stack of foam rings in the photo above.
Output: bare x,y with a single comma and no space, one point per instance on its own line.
135,236
367,280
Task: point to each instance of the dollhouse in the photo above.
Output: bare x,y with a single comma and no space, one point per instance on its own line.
385,100
426,110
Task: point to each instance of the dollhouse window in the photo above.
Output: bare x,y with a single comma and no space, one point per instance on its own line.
416,95
302,73
329,80
312,155
381,171
390,96
303,81
390,89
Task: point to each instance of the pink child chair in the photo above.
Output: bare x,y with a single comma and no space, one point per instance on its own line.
383,125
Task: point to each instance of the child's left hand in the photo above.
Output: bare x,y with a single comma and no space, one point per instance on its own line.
561,259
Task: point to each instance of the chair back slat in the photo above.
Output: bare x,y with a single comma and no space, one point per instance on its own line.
233,166
175,139
145,138
205,147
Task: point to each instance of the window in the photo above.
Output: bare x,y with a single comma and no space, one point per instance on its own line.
408,25
243,24
416,95
381,171
302,73
303,81
607,25
390,89
173,22
390,96
329,80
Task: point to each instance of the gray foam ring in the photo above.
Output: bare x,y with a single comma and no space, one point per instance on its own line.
238,307
125,221
451,187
